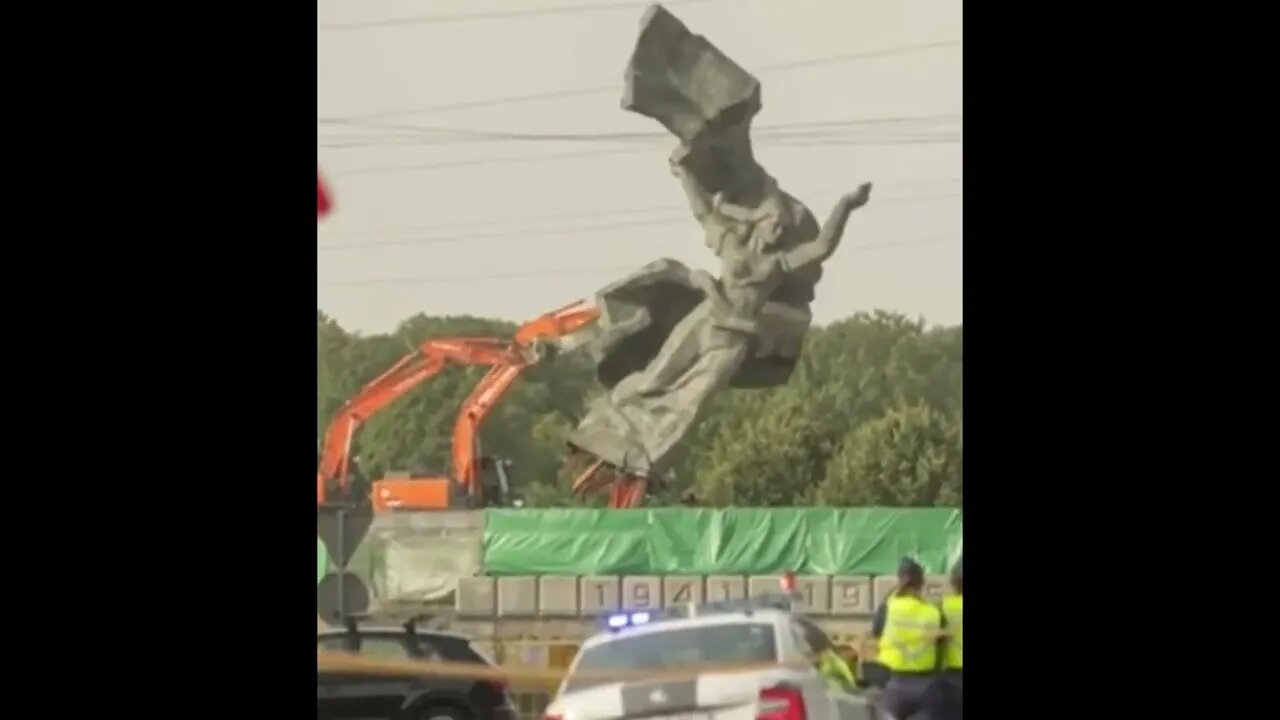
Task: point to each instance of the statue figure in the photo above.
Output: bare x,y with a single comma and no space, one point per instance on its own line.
668,337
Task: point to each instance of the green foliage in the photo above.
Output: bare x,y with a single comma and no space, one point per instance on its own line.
911,457
872,416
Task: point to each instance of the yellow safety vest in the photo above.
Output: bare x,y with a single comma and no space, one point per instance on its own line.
909,642
836,671
953,647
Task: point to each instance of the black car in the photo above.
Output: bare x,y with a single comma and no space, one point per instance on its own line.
343,696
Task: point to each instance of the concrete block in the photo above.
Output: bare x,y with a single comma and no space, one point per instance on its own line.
881,586
476,597
641,592
598,595
557,596
758,585
934,587
851,595
813,595
726,587
517,597
679,590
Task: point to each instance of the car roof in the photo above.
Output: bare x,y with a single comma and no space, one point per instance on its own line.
387,630
767,616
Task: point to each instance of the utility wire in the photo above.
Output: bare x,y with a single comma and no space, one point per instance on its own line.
675,216
479,278
498,15
508,159
570,272
581,214
420,134
577,92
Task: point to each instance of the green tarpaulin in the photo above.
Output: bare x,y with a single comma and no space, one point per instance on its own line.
737,541
322,560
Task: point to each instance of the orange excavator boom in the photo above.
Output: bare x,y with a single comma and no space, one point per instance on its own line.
548,328
430,358
508,360
557,324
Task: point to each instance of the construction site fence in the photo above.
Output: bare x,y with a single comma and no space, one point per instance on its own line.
571,562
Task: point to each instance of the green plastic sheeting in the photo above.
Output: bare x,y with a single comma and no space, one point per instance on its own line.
322,560
736,541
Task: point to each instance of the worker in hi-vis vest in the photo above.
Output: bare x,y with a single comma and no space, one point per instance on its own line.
909,639
836,671
950,690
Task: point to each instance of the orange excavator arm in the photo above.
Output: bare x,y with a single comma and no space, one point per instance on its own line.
556,324
431,357
551,327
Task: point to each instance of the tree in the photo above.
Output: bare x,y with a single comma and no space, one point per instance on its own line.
771,455
810,440
911,457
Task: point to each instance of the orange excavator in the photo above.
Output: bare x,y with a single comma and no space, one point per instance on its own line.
507,361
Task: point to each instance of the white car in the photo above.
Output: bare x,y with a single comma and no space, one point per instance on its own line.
738,635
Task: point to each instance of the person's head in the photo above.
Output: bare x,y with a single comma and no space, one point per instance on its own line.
910,576
957,575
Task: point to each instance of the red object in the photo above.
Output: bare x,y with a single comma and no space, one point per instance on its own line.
788,581
498,686
781,703
324,203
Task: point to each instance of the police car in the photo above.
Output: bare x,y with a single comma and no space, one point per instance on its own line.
759,631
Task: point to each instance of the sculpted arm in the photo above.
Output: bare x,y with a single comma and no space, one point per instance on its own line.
829,236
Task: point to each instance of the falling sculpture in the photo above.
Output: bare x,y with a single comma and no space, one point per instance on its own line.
668,337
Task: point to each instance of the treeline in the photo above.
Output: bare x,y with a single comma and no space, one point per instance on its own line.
872,416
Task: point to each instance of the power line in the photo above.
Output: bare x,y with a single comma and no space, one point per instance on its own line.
510,221
582,214
421,134
507,159
498,15
478,278
577,92
680,217
509,234
539,274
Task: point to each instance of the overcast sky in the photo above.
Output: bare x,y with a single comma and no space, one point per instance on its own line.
450,199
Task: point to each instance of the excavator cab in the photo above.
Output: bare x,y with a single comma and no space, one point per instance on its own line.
401,491
497,482
407,491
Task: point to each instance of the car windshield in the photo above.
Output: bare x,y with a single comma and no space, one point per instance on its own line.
663,650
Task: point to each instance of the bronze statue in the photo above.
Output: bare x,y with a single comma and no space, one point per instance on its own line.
669,337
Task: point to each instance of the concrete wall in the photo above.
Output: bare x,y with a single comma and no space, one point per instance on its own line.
587,597
573,607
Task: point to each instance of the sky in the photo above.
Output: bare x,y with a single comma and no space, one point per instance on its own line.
451,199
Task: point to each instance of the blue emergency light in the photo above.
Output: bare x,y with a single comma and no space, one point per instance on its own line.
622,620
